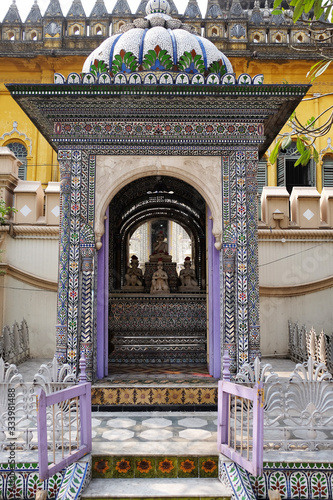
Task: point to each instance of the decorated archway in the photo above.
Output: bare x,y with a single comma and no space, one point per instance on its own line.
135,114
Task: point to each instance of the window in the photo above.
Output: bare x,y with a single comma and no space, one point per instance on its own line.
20,151
328,171
262,181
288,175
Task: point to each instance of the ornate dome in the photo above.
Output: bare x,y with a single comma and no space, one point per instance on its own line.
157,43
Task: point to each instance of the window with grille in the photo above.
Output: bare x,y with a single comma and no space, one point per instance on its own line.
288,175
328,171
20,151
262,181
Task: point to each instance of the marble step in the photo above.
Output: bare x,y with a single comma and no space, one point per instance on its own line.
197,488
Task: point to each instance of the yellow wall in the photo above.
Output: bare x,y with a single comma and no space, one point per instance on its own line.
42,160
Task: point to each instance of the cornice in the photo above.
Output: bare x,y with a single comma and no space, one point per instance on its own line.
296,290
39,232
28,278
295,234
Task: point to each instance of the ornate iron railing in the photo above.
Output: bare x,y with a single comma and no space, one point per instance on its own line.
71,412
303,343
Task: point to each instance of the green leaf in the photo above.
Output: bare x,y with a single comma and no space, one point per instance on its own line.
286,142
299,9
300,145
308,5
318,10
315,155
276,12
277,3
274,154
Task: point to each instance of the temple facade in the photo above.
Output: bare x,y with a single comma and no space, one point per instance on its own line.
157,103
145,133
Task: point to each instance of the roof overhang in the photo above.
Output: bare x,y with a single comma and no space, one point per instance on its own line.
158,119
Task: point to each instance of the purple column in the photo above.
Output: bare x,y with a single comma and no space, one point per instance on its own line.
102,303
213,303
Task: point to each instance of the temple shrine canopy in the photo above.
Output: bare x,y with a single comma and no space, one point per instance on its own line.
157,43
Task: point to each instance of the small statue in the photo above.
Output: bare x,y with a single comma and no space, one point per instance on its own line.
134,275
160,249
159,282
187,277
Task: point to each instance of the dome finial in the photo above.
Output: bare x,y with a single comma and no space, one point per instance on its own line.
157,7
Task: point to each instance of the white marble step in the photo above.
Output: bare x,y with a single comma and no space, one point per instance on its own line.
157,488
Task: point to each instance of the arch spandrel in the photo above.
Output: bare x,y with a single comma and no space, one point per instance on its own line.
202,173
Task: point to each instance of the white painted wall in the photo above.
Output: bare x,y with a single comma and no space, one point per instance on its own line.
39,308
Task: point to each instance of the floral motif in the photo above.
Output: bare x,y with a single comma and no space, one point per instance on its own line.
278,482
123,466
143,396
124,62
101,466
298,485
208,466
187,465
175,396
319,485
98,68
126,396
208,396
157,59
144,466
217,67
191,62
166,466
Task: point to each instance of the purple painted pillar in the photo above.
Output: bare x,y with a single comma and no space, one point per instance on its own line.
213,303
102,303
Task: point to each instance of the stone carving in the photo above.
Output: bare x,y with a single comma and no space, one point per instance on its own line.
134,276
159,282
160,251
187,278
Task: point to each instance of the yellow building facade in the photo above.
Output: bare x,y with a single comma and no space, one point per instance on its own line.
255,42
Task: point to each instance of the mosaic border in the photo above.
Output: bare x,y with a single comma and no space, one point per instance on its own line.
159,466
152,396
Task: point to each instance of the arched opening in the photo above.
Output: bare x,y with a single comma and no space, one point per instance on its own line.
158,328
21,153
278,38
34,36
99,31
214,32
11,35
327,171
76,30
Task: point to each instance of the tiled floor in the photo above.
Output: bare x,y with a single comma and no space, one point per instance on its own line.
155,433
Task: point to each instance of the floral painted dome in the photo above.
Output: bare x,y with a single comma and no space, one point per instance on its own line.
157,43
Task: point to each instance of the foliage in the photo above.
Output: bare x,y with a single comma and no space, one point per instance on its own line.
318,16
4,210
98,68
304,144
316,9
